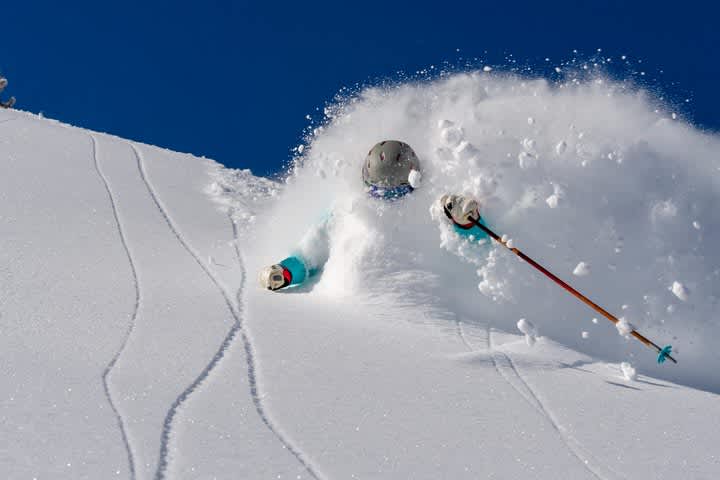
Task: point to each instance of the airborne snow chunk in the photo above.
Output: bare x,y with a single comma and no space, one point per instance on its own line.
628,371
529,330
415,178
624,327
527,160
680,291
582,269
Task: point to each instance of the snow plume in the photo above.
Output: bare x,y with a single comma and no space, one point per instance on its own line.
609,157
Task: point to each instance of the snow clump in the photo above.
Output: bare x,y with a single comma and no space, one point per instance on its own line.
628,371
624,327
680,291
415,178
582,269
529,330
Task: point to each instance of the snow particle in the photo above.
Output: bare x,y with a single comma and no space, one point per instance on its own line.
628,371
552,200
582,269
527,160
664,210
624,327
680,291
595,320
487,68
560,147
696,225
527,328
531,120
415,178
585,335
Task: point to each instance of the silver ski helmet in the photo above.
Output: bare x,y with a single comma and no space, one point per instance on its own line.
387,167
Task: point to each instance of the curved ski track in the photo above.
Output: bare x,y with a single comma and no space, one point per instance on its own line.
524,390
227,341
133,318
250,358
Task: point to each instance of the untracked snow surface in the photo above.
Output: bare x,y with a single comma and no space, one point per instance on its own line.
135,342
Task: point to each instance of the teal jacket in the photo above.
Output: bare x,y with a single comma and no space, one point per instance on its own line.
474,231
298,268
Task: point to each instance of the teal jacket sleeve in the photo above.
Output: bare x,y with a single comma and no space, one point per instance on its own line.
297,266
472,231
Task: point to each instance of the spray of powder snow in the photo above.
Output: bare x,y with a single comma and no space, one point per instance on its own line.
597,176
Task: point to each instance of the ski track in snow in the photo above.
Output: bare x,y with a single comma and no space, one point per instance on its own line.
250,358
227,341
131,325
506,368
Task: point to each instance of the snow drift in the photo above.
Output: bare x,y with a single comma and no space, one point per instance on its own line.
592,172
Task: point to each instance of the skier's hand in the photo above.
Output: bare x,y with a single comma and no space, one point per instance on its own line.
462,209
272,277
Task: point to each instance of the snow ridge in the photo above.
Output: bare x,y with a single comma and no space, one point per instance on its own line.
133,317
251,363
227,341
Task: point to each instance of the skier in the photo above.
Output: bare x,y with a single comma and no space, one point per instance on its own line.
389,171
11,101
462,211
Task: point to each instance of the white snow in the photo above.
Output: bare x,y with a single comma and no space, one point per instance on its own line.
585,335
415,178
582,269
680,291
628,371
527,160
529,330
137,345
552,200
624,327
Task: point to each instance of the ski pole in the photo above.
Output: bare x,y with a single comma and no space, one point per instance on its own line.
663,353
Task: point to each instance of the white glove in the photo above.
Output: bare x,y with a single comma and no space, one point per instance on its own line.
462,209
272,277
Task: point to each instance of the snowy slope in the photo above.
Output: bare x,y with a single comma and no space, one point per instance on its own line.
136,344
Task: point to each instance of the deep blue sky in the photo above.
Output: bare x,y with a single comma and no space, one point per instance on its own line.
234,80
